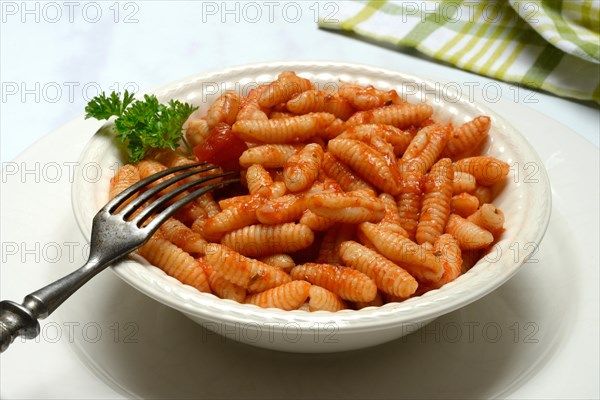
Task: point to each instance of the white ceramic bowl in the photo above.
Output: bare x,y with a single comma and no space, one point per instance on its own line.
526,204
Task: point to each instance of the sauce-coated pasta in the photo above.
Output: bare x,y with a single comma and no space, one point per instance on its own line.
351,198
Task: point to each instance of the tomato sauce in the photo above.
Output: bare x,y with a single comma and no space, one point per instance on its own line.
222,148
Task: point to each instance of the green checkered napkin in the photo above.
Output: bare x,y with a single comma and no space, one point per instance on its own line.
548,45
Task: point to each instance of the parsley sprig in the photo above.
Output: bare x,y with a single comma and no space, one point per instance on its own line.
142,125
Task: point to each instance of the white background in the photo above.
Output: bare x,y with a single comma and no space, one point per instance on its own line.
48,58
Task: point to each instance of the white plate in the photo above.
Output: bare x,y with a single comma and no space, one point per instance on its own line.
173,357
525,200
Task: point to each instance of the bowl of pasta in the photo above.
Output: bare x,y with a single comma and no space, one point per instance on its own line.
371,203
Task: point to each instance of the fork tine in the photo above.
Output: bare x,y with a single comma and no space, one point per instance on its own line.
169,211
152,207
137,202
125,194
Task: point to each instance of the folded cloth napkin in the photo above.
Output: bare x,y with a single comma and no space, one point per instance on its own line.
548,45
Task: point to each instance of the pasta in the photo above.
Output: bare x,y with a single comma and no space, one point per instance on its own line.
425,148
190,213
373,138
447,248
208,203
282,130
486,170
398,139
224,110
419,262
150,167
488,217
287,85
390,207
169,159
268,155
250,109
286,208
342,174
350,207
210,208
483,194
348,283
336,128
324,300
280,114
366,98
367,162
389,277
464,204
349,198
182,236
261,240
469,235
328,252
400,116
316,222
197,130
232,218
436,205
288,296
221,286
463,182
468,136
126,176
175,262
245,272
302,169
258,180
281,261
319,101
409,203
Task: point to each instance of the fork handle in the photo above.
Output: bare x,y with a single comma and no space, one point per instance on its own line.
16,320
22,319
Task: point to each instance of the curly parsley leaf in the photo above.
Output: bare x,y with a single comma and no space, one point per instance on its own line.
102,107
143,125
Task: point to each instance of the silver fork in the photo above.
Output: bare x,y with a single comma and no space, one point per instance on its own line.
114,235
